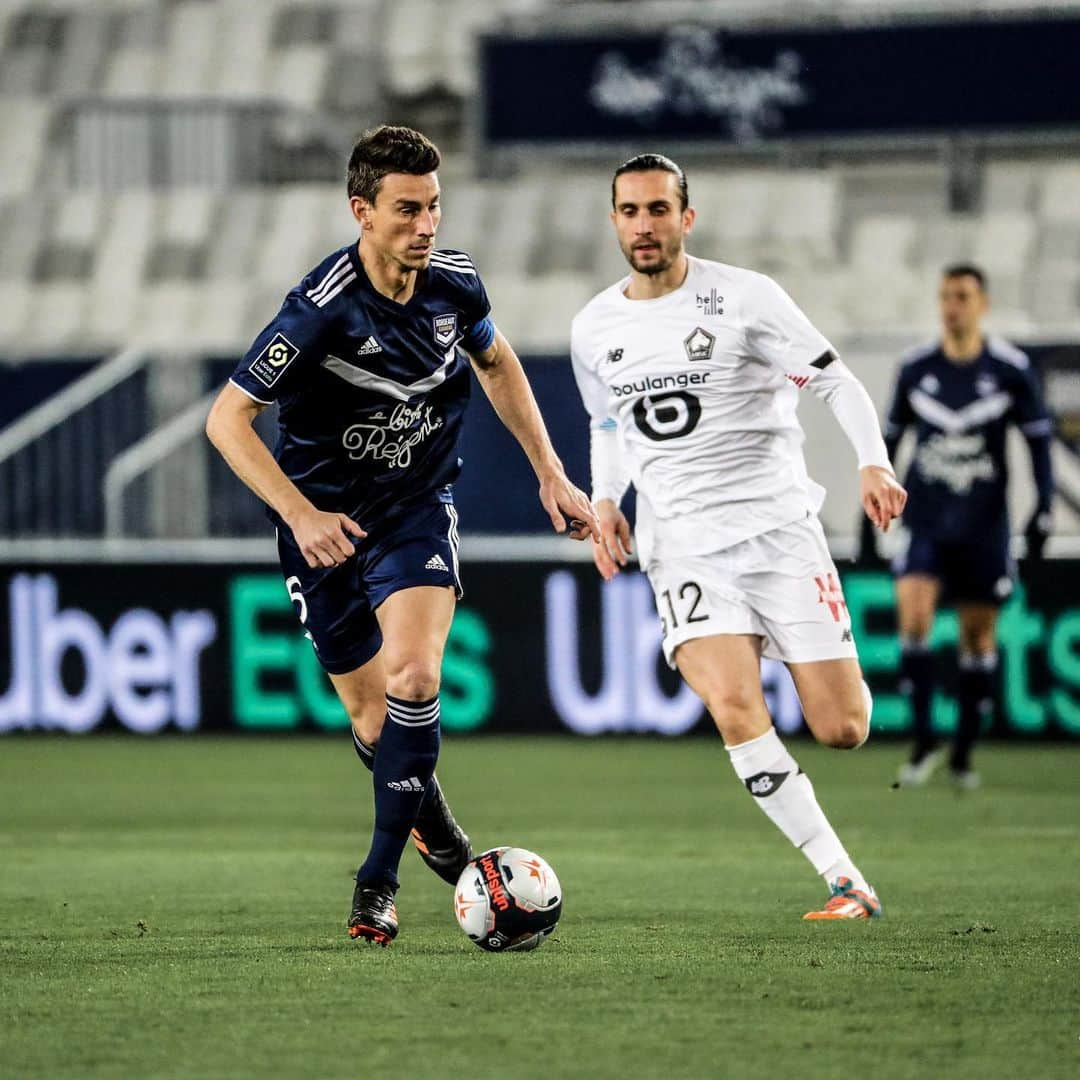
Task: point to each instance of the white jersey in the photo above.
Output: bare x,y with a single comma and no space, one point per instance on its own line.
700,386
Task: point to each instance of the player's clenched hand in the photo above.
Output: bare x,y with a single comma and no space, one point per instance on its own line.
558,497
323,536
612,552
882,496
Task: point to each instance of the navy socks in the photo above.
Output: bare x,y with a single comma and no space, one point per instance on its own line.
917,681
403,764
978,692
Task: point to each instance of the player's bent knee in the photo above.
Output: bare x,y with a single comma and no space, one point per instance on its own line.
844,729
414,680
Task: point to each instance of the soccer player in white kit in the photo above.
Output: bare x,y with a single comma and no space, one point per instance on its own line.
690,371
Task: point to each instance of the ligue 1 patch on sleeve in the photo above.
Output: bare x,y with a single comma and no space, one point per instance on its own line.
271,363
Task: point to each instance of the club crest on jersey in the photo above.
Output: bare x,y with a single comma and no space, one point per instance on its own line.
445,329
699,345
271,363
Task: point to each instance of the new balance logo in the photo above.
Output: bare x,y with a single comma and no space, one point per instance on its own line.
846,635
369,348
764,783
435,563
614,356
412,784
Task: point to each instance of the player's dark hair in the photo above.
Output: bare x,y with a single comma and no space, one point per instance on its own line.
388,149
966,270
653,163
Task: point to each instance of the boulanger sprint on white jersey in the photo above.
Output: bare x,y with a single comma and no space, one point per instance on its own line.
701,388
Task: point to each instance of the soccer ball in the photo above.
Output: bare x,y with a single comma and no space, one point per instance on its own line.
507,898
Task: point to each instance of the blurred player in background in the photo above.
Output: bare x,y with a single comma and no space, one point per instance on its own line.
960,395
363,362
690,371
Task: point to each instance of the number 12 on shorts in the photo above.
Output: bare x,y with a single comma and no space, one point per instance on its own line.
689,596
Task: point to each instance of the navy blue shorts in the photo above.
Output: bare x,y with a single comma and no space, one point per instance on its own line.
337,605
976,571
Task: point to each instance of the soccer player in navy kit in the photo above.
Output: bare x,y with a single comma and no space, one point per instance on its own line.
363,361
960,396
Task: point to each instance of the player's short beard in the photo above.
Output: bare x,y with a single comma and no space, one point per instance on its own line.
666,259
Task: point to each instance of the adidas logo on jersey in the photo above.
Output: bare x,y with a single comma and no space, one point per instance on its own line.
435,563
369,347
412,784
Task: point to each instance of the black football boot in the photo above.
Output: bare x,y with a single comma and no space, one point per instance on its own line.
440,840
374,916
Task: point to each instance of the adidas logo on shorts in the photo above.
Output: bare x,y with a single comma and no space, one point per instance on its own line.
369,347
412,784
435,563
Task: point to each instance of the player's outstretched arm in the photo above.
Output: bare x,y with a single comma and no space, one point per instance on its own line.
322,537
882,496
503,380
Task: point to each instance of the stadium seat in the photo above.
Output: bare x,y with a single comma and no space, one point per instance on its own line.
55,318
1059,202
573,223
1055,294
947,240
334,224
115,284
190,55
821,292
24,124
803,216
512,300
299,75
410,39
1004,241
287,247
132,72
169,318
25,228
467,218
1010,186
882,241
245,39
26,72
188,215
733,211
18,298
85,43
517,225
226,325
556,299
234,245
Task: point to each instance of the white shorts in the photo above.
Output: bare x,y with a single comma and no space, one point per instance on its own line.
781,585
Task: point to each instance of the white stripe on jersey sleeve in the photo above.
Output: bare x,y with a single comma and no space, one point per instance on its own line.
335,272
342,284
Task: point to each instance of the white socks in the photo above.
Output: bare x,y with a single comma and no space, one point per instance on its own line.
786,795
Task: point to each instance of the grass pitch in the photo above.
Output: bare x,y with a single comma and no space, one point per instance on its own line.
175,908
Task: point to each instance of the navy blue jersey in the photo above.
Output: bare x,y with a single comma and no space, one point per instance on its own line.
371,393
960,413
